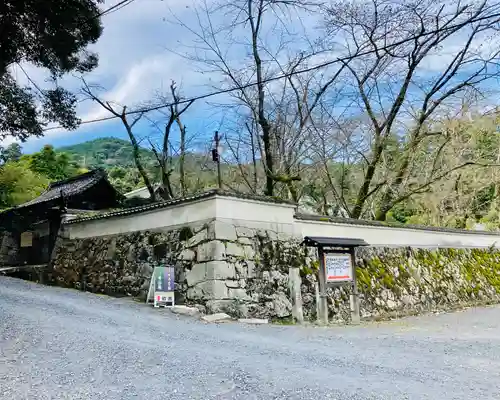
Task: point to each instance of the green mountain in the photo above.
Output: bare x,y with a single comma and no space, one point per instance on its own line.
106,153
116,156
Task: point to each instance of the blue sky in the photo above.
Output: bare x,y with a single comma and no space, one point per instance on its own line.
134,63
137,61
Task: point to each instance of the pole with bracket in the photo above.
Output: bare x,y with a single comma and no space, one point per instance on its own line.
216,158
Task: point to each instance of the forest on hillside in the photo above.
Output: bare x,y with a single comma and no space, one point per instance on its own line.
385,110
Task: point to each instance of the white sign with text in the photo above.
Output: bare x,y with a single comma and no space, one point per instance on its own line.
338,268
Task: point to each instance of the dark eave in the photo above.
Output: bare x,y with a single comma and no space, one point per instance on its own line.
67,187
320,241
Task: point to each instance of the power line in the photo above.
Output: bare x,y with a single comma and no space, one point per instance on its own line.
281,76
116,7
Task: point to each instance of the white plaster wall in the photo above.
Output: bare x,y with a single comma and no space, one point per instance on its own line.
257,214
276,217
171,216
396,237
256,211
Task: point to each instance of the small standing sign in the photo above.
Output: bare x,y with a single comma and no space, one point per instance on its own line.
162,287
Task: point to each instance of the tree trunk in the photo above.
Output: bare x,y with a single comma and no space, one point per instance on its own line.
263,122
137,159
364,190
182,157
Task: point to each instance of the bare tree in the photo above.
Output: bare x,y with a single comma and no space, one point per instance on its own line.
164,153
397,83
280,111
121,113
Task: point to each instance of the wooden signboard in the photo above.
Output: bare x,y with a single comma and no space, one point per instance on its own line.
26,239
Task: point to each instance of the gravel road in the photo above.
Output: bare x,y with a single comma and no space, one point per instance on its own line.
63,344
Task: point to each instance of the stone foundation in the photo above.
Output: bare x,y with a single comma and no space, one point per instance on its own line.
219,266
224,267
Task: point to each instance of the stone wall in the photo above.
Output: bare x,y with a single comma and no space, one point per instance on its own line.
222,266
8,249
219,266
397,282
123,264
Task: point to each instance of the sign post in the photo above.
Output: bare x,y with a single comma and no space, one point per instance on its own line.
323,301
337,268
162,287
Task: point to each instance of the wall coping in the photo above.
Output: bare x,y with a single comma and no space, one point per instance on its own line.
377,224
184,200
311,218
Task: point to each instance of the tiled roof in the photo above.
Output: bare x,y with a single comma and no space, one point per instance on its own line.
187,199
68,187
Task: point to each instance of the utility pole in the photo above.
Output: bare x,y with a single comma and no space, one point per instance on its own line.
216,158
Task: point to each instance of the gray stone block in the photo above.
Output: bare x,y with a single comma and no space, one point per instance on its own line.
187,255
244,232
246,241
222,230
253,321
219,317
220,270
235,249
197,274
238,294
281,305
216,306
251,269
241,269
249,252
208,290
184,310
211,251
233,284
199,237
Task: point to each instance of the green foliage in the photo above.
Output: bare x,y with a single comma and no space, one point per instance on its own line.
431,277
10,153
107,153
18,184
55,166
400,213
22,178
115,155
53,35
310,269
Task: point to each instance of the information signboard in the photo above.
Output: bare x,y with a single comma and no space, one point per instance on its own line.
338,267
162,287
26,239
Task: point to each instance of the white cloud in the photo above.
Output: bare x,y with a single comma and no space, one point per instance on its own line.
133,60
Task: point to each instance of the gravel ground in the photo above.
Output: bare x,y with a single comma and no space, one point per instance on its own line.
63,344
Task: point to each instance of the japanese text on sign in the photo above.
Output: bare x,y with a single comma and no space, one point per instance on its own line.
338,268
162,286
